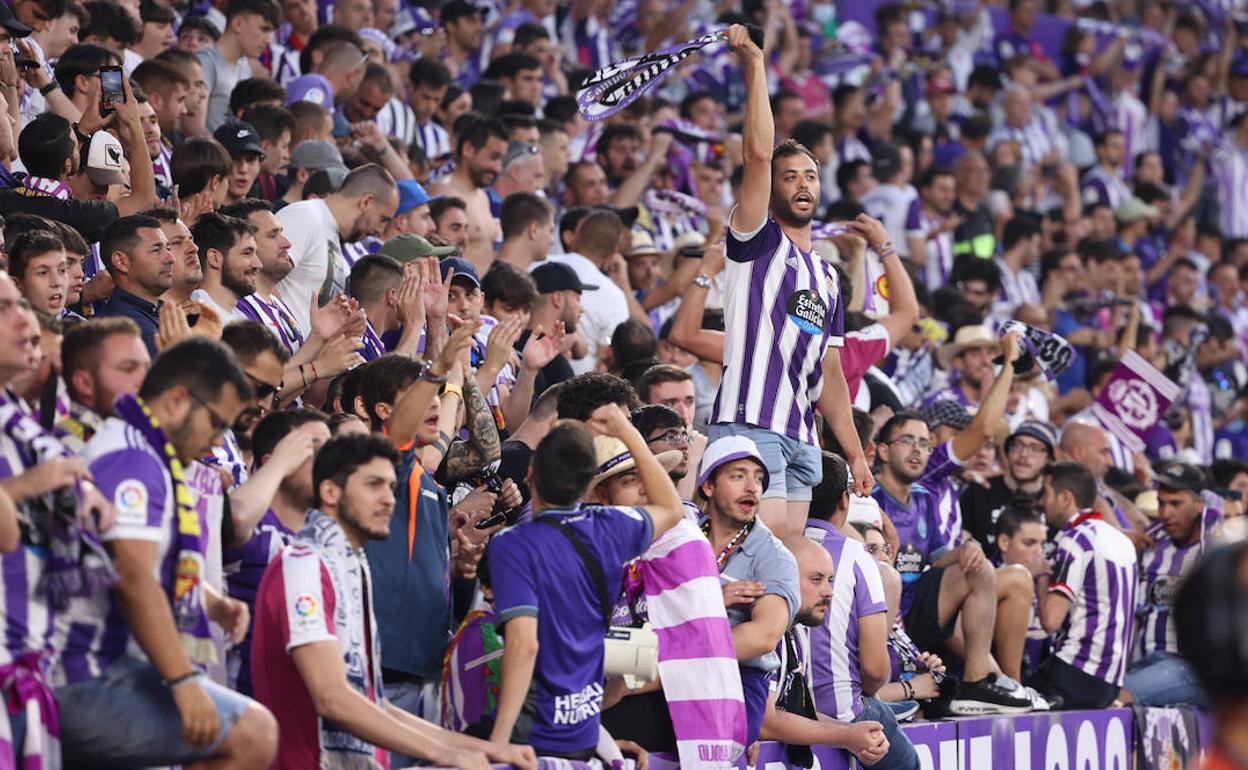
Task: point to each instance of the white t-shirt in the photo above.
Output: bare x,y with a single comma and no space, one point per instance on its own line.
315,250
227,315
602,309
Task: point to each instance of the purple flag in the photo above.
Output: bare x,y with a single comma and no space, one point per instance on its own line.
1133,401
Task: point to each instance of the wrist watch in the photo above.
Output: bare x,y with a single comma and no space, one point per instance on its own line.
429,376
49,87
702,281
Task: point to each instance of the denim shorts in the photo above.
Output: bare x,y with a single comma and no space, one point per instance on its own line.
793,467
126,717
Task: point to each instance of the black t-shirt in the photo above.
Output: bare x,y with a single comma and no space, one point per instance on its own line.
981,507
513,464
89,218
551,374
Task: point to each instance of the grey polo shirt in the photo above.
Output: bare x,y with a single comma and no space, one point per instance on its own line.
763,558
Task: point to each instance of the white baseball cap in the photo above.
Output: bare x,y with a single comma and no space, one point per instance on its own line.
729,449
105,160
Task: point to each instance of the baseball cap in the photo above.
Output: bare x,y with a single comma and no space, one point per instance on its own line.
728,449
315,155
1039,430
238,138
627,214
457,9
516,150
551,277
310,88
1133,210
946,411
940,84
412,18
1181,476
10,22
105,159
407,247
463,269
411,195
886,162
324,182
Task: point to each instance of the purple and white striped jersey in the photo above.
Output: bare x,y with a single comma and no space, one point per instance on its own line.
857,592
939,262
784,311
1229,166
1131,117
1094,566
433,139
1034,141
397,119
244,567
28,619
938,479
891,204
1161,568
918,529
275,314
1101,186
92,633
1017,288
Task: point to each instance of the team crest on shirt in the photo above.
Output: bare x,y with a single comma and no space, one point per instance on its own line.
881,287
807,310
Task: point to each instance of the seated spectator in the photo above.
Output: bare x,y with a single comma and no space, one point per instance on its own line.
1027,450
1089,597
37,263
136,253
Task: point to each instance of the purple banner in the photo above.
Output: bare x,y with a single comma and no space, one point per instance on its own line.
1133,401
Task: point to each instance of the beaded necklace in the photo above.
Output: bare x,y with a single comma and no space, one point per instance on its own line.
722,559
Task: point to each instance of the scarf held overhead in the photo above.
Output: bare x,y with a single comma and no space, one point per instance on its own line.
612,88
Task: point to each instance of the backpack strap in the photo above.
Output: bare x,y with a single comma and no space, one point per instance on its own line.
591,565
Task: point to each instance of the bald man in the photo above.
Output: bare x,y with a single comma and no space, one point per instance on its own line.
1089,445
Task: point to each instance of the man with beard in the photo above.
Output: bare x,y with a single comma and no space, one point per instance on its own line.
759,576
318,227
227,253
316,656
941,583
188,273
1186,517
618,149
479,152
1027,450
283,445
558,301
791,717
930,224
783,316
273,251
100,361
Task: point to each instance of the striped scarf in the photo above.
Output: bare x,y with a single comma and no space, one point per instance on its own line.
27,692
187,589
697,659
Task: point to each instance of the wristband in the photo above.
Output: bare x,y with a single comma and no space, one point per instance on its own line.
51,86
451,387
907,689
303,377
183,680
312,366
885,248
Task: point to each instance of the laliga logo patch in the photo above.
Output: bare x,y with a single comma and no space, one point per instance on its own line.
315,96
305,606
807,310
1134,402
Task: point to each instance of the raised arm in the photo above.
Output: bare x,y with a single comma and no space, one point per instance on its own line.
665,507
758,135
687,331
982,427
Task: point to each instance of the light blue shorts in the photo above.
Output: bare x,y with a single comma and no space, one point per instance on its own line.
793,467
126,717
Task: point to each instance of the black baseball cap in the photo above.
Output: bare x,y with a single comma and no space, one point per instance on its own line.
457,9
10,22
551,277
238,138
1181,477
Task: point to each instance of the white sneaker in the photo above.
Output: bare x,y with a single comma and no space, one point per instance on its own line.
1038,701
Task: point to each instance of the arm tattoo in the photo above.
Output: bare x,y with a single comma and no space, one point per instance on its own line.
466,458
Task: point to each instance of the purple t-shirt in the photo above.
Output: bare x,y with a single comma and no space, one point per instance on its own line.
938,478
536,572
857,592
132,474
244,567
918,527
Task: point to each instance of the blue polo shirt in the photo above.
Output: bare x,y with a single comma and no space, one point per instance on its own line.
146,314
411,576
536,572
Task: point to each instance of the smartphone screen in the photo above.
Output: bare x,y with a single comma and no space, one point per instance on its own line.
111,89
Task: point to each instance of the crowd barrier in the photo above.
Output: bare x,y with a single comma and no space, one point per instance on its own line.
1112,739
